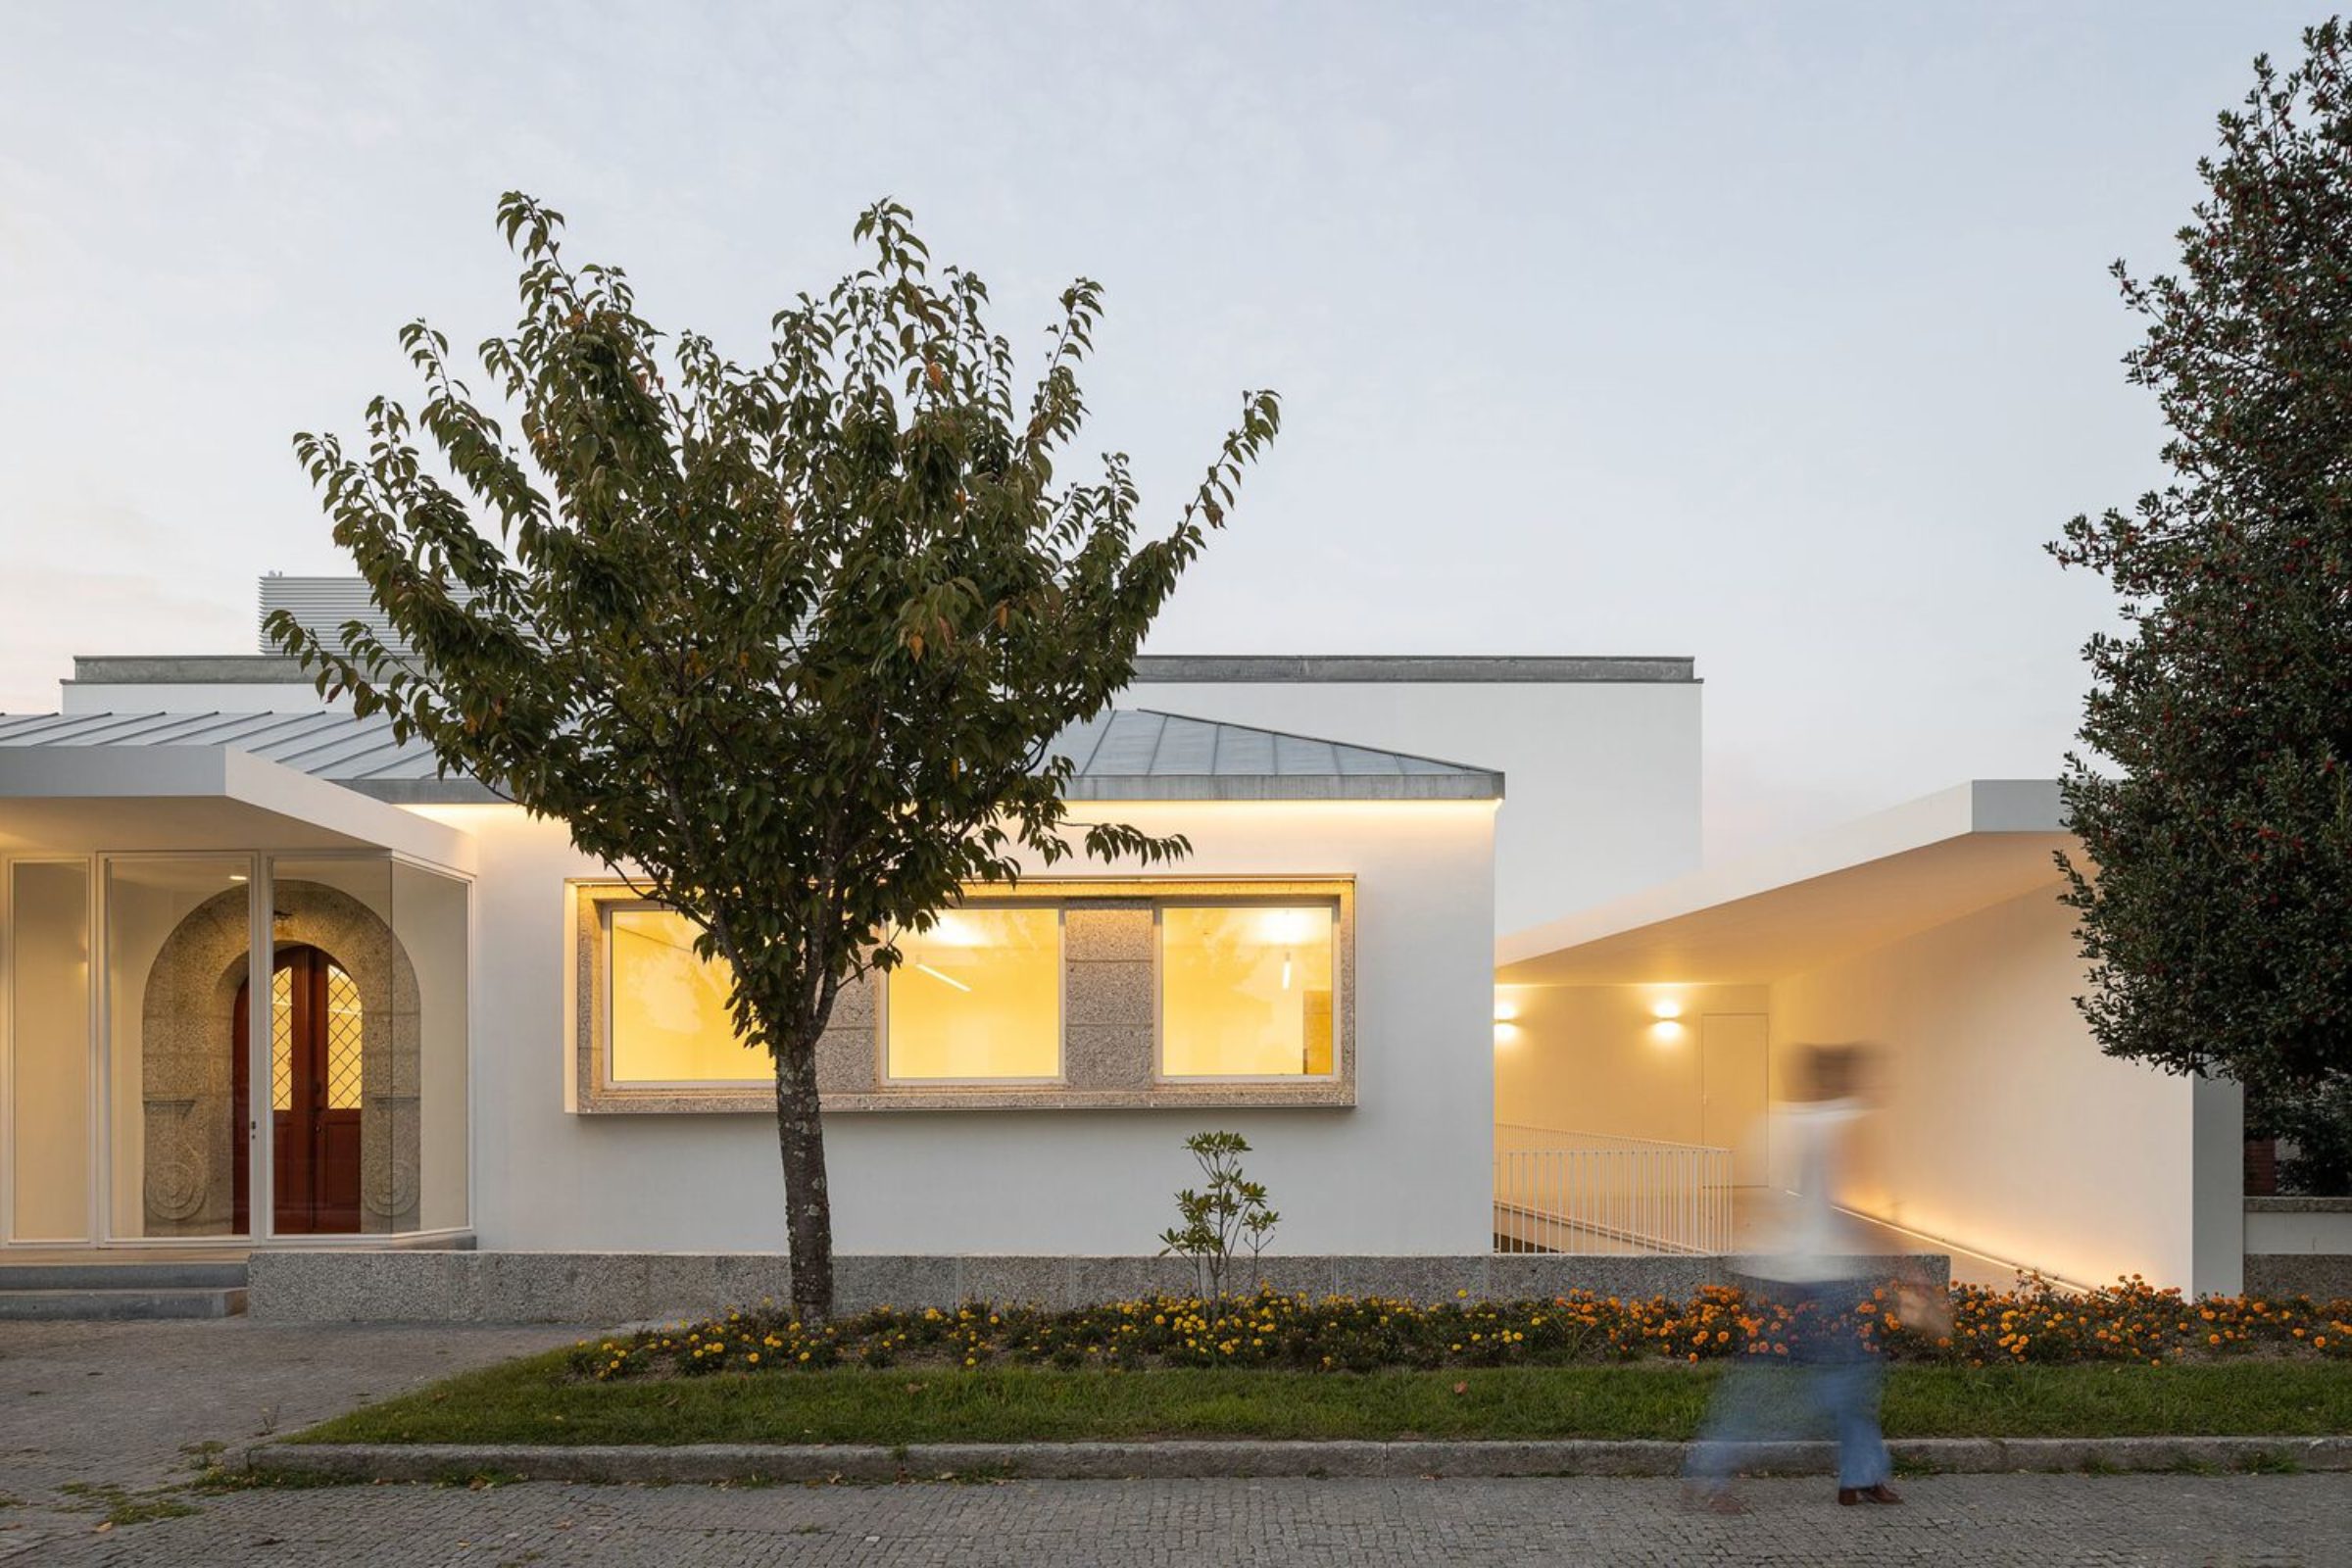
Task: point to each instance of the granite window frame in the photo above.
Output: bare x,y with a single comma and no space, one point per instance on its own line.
1109,1019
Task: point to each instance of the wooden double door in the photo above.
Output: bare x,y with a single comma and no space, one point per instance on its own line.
313,1096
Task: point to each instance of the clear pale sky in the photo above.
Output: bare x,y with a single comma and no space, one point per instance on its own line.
1774,335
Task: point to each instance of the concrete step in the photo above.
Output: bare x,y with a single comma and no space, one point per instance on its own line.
161,1275
118,1304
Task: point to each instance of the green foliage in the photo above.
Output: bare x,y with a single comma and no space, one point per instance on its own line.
2319,1126
1216,1221
785,643
2035,1323
2214,889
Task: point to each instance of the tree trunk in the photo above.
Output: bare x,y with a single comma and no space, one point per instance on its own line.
808,1204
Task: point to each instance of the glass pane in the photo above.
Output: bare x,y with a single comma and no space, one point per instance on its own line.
669,1022
429,1065
344,1157
1246,992
978,996
50,935
281,1041
345,1022
178,962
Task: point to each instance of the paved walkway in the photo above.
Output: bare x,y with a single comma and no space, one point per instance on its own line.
2037,1520
89,1407
137,1406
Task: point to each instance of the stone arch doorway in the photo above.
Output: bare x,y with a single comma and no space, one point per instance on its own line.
194,1066
317,1022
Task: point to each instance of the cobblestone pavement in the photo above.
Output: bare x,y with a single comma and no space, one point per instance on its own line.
94,1416
2303,1520
137,1406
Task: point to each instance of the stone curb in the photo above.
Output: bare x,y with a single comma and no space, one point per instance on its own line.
1172,1460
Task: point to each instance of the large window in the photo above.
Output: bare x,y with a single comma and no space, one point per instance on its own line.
977,996
669,1022
1073,994
1245,991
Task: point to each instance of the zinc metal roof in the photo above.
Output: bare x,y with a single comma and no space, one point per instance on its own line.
1121,754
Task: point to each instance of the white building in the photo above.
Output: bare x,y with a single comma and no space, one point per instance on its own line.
1374,959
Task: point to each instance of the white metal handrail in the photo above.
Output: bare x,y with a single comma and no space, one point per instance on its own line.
1517,1136
1565,1191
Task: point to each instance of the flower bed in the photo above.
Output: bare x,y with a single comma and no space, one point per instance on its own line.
2035,1323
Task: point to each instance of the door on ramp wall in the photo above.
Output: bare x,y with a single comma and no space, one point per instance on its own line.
1731,1068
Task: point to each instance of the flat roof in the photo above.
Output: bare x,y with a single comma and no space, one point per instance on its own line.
277,669
1810,902
1416,669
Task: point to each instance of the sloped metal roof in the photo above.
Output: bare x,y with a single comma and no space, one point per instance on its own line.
1121,754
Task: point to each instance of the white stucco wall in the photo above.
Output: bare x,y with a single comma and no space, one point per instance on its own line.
2004,1129
1601,779
1591,1059
1407,1170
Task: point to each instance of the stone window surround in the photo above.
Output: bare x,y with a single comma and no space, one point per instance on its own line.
1110,1030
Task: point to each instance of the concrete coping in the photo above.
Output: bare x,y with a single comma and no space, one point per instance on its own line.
277,669
1196,1458
348,1286
174,669
1415,668
2299,1205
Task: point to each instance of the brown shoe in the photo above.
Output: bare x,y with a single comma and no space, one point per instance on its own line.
1847,1497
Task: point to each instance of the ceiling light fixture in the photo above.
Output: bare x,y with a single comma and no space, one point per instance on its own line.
943,979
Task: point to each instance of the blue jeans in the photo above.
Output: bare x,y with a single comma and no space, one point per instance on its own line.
1828,1368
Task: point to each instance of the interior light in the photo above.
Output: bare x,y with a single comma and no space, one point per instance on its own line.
1290,927
1666,1009
943,979
953,931
236,876
1666,1031
1286,971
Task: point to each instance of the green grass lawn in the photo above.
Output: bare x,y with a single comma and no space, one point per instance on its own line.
536,1401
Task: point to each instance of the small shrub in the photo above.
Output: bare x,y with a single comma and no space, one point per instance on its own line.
1230,1214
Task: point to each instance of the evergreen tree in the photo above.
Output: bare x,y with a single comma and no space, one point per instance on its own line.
2214,887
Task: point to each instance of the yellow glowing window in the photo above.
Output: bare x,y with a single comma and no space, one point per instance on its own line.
977,996
669,1017
1246,992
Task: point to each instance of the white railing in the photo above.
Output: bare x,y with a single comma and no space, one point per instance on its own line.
1558,1191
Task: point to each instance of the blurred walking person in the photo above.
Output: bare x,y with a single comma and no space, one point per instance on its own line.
1807,1261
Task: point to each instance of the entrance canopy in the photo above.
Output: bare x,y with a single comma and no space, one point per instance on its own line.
237,991
70,785
1869,882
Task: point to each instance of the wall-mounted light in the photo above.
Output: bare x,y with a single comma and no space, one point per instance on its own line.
1666,1009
